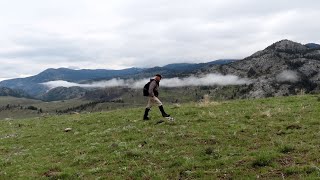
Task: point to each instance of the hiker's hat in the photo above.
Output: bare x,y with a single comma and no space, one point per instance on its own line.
159,75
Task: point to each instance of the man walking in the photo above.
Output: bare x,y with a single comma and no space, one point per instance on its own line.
153,93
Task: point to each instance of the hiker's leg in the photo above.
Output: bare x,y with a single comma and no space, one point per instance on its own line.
149,104
164,114
148,107
159,103
145,116
156,101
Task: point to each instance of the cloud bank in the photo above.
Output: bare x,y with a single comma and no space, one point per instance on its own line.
206,80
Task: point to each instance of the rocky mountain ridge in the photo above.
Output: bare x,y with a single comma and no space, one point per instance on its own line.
283,68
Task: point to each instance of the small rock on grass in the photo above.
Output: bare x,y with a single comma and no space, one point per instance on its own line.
67,129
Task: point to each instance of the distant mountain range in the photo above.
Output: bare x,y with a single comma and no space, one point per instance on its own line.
283,68
31,86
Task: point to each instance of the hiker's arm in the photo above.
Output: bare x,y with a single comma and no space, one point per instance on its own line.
151,88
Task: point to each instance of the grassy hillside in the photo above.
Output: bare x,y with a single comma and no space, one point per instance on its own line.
18,107
123,98
4,100
274,138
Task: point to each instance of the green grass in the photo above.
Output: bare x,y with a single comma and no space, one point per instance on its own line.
271,138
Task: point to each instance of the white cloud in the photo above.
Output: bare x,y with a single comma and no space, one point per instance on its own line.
288,76
123,33
206,80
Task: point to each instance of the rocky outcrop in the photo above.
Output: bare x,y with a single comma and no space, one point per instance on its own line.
284,68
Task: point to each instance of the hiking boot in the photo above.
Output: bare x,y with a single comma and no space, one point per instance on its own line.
145,116
164,114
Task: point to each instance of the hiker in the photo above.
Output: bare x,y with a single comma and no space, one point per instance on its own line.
151,90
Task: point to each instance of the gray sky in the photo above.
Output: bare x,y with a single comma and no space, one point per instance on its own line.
115,34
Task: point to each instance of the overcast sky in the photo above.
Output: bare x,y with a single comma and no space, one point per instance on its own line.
115,34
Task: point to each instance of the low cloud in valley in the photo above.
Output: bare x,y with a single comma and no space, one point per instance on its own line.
206,80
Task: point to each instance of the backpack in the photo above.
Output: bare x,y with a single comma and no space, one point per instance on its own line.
146,89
